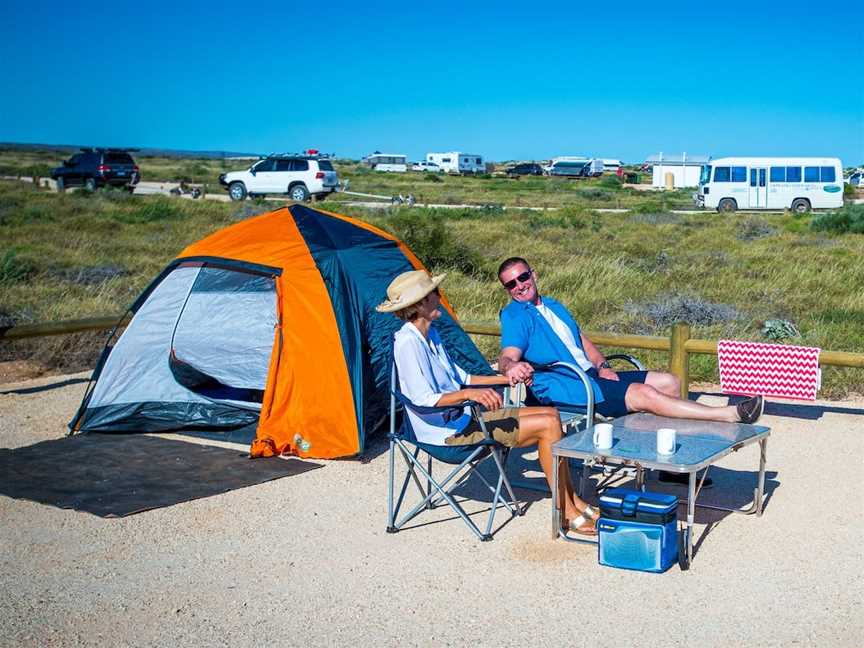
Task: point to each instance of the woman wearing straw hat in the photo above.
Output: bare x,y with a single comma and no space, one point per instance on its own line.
430,378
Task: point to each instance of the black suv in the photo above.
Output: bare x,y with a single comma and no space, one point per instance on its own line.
94,168
524,169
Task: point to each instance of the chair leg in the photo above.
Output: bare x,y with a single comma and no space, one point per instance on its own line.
391,515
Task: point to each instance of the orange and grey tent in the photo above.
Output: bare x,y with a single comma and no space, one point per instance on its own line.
269,323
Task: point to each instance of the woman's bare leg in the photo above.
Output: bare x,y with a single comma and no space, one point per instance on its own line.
542,426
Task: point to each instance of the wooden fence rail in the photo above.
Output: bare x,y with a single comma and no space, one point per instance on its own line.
679,344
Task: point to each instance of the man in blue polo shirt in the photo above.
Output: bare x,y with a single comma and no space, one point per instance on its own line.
540,330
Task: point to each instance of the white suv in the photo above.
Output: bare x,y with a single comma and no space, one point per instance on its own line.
299,176
429,167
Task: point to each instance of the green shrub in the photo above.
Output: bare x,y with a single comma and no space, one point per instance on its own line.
431,177
849,219
610,182
429,238
849,191
13,268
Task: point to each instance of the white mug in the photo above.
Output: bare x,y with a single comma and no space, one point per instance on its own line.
665,441
603,435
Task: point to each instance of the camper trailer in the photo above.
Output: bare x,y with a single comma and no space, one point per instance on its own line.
574,167
799,184
611,166
455,162
393,162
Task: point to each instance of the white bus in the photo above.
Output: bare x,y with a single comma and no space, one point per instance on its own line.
392,162
796,183
456,162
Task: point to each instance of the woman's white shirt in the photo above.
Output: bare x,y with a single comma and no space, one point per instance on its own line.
426,372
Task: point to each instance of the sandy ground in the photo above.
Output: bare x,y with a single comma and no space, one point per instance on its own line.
305,560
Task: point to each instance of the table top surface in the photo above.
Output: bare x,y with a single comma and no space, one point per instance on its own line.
634,437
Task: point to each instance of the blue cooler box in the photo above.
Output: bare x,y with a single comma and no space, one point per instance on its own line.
637,530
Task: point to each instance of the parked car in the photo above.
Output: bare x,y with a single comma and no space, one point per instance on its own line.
524,169
297,175
431,167
856,179
96,167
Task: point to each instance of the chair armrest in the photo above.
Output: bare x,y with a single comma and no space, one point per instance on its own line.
627,358
589,390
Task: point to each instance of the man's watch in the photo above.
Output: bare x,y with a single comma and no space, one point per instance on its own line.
604,365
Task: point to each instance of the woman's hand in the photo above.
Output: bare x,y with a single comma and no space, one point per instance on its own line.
488,398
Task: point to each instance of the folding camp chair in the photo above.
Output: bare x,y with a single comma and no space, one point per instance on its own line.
466,460
584,416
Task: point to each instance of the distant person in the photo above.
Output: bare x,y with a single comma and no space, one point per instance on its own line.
540,330
430,378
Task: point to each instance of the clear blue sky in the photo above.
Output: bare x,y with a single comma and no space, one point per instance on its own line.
523,80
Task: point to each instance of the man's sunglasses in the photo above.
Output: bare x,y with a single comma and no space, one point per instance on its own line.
522,278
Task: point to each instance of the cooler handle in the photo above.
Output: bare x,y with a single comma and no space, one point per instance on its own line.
629,504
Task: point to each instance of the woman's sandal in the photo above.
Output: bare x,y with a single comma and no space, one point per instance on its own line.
578,525
594,514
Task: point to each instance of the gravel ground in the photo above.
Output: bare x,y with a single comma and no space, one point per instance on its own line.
305,560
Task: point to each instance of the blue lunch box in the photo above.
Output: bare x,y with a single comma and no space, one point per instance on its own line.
637,530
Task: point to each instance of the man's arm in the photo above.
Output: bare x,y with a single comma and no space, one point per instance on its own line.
597,358
510,364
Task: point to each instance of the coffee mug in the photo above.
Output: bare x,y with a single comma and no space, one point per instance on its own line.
665,441
603,435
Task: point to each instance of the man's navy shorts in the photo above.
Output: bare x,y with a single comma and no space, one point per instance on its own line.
613,391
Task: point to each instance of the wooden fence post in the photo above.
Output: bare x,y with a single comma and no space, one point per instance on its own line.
679,360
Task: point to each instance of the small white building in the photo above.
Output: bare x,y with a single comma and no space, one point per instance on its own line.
456,162
682,169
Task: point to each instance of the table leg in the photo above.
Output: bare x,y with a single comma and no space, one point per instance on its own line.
691,515
556,511
760,490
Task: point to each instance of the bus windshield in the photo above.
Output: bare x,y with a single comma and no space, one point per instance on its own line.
705,176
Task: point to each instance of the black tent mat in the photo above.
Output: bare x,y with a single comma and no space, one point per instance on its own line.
113,475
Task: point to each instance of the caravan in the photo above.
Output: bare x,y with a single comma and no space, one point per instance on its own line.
455,162
393,162
574,167
799,184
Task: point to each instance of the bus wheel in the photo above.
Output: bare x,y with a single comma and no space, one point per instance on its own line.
800,205
727,205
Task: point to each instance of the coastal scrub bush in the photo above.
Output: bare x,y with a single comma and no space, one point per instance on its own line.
594,193
667,310
849,219
779,329
610,182
753,228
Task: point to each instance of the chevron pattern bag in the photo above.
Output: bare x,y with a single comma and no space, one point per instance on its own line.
780,370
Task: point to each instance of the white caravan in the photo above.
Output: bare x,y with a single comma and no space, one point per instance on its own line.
455,162
574,166
611,166
392,162
796,183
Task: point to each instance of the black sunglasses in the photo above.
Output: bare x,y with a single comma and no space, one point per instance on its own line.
522,278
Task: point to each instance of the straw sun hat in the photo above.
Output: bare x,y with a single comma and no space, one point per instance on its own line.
408,289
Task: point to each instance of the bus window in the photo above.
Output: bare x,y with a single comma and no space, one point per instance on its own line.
778,174
828,174
705,176
721,174
739,174
793,174
811,174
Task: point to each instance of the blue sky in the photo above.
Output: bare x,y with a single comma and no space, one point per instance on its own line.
508,80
